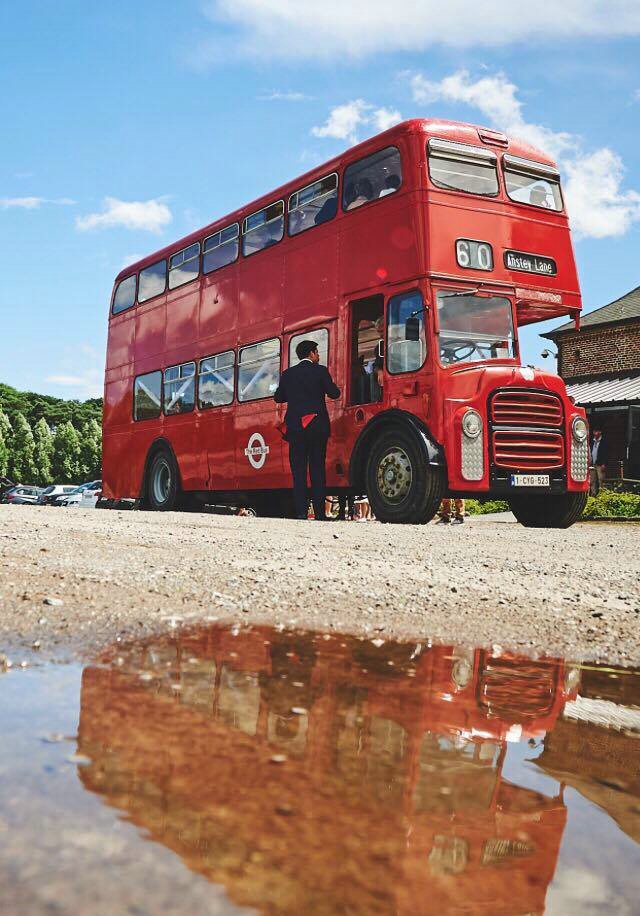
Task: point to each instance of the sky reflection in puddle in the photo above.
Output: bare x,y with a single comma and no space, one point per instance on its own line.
308,773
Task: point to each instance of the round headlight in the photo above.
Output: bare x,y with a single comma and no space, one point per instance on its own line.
580,429
472,424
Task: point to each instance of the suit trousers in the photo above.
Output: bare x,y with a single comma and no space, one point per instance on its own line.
308,449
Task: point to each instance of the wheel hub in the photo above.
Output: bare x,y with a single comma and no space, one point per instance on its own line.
394,475
161,482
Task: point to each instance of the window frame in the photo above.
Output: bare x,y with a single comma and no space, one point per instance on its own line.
115,291
425,313
133,405
202,359
310,333
478,153
255,343
166,274
291,210
245,232
522,166
374,200
175,255
189,362
219,232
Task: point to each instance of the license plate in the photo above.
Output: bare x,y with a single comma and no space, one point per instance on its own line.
529,480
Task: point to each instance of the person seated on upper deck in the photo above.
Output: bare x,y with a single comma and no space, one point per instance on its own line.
391,185
538,196
363,190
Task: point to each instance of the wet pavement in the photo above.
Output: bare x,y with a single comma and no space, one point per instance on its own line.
230,769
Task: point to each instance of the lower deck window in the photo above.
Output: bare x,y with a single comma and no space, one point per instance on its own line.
179,388
321,337
259,370
406,340
147,396
215,385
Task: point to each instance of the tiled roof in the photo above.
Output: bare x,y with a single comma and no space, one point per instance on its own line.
606,391
622,309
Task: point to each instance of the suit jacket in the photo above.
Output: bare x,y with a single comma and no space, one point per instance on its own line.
603,451
303,388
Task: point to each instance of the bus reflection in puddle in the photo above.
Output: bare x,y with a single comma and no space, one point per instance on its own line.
324,774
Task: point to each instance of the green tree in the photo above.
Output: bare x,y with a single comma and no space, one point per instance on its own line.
6,435
91,450
65,464
44,452
22,466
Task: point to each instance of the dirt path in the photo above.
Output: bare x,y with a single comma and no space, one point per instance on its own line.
75,580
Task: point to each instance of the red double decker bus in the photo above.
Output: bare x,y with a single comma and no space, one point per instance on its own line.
412,259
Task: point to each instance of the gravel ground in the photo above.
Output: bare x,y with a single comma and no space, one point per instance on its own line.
73,581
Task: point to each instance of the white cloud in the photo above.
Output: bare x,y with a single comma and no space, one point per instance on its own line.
33,203
89,384
598,206
334,29
597,203
276,95
146,215
344,120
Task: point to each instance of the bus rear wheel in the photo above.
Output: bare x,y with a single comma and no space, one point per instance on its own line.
545,511
162,491
401,486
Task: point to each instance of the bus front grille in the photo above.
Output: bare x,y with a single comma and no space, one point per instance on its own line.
528,450
526,407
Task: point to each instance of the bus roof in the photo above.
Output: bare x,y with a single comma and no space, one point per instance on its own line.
458,131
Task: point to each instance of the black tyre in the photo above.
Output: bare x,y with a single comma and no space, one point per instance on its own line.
162,489
546,511
402,487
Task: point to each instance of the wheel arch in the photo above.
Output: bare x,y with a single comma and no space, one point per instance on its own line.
158,445
382,422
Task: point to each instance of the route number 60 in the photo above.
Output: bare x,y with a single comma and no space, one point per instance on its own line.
474,255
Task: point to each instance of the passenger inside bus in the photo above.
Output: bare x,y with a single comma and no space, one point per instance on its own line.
367,364
362,191
391,185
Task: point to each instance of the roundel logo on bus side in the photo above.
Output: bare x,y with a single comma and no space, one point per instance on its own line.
256,450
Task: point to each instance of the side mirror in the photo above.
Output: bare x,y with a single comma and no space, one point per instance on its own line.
380,349
412,328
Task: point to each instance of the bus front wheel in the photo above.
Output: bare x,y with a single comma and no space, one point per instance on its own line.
402,487
545,511
162,482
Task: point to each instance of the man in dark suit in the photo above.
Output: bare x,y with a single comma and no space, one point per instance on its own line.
303,388
599,457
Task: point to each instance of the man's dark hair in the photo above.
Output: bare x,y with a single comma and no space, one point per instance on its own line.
305,347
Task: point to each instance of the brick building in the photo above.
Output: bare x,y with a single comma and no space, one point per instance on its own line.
600,364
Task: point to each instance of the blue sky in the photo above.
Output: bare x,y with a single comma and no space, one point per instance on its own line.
128,125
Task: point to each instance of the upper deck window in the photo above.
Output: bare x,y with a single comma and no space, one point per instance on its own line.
370,178
184,266
313,205
262,229
532,183
458,167
125,295
153,281
221,248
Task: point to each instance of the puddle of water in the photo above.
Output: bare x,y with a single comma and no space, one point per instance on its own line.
231,770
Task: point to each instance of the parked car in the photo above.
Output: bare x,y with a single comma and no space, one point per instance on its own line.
21,495
83,497
50,494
